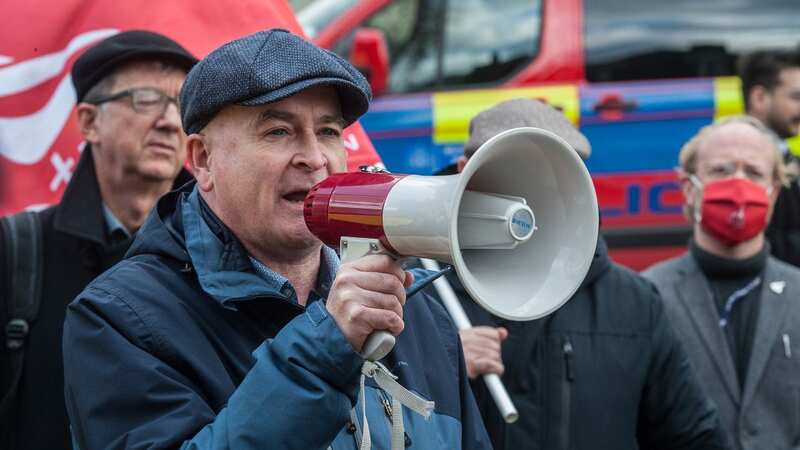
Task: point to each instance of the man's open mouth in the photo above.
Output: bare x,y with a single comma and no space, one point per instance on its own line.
296,196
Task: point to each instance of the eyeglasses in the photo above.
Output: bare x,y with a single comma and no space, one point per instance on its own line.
729,169
148,101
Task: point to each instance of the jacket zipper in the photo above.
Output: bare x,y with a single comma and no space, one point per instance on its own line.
568,350
566,391
387,409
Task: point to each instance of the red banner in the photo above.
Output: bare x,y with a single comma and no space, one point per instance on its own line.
39,139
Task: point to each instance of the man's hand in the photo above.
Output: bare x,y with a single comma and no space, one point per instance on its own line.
368,295
482,350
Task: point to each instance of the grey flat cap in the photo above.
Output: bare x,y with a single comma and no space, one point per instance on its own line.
523,112
267,67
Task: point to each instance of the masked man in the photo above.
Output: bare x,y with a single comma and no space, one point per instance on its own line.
735,306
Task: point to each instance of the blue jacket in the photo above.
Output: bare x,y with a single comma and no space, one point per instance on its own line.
184,345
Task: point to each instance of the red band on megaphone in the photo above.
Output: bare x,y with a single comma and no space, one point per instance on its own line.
349,204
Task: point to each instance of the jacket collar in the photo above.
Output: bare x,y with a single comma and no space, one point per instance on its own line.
776,294
80,211
695,294
600,263
223,267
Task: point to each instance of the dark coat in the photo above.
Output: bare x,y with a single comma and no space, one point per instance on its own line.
604,372
77,249
183,344
763,410
783,231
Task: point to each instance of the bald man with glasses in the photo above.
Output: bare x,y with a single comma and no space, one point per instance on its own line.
134,152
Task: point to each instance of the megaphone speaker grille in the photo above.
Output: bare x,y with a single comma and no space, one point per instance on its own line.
537,276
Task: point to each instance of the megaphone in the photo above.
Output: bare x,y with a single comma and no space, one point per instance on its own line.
519,224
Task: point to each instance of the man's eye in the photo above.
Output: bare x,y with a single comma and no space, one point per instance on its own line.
277,132
719,171
330,132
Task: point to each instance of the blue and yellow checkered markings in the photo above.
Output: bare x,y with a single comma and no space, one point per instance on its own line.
452,111
422,133
399,116
655,100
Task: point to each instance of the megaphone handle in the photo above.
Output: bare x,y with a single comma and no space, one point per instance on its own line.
456,311
379,343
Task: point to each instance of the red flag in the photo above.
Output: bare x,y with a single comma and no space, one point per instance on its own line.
39,138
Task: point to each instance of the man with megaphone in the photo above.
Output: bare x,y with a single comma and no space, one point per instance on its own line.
230,325
606,370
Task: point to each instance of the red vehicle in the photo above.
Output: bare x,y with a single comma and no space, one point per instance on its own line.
638,78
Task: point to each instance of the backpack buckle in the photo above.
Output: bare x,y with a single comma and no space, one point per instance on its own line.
16,332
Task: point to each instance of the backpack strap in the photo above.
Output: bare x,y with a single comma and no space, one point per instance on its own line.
24,250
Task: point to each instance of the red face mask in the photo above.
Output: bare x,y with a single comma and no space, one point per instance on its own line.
734,209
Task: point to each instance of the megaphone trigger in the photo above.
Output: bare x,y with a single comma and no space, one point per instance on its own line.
379,344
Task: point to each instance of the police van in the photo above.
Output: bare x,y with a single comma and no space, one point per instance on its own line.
638,78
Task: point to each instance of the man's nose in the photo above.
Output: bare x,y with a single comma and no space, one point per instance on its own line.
311,155
170,119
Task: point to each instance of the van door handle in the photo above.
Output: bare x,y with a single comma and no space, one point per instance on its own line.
613,106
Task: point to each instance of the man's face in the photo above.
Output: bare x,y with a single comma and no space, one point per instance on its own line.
733,150
149,145
263,160
782,104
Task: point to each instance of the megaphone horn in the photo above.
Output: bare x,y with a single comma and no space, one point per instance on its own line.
519,224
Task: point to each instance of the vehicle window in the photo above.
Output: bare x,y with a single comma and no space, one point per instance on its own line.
315,15
410,28
414,51
472,42
487,41
652,39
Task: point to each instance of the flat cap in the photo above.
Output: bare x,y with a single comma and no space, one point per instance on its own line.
104,57
523,112
267,67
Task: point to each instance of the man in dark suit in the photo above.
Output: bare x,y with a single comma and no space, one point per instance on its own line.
126,87
771,92
735,306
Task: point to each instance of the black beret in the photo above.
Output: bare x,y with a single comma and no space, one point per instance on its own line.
104,57
267,67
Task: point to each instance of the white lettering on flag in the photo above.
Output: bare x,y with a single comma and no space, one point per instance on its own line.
63,170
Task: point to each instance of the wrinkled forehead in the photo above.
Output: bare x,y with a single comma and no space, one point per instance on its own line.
149,73
311,106
736,143
318,103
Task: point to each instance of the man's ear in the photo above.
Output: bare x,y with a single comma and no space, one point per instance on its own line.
198,153
687,188
87,121
759,100
461,163
776,190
